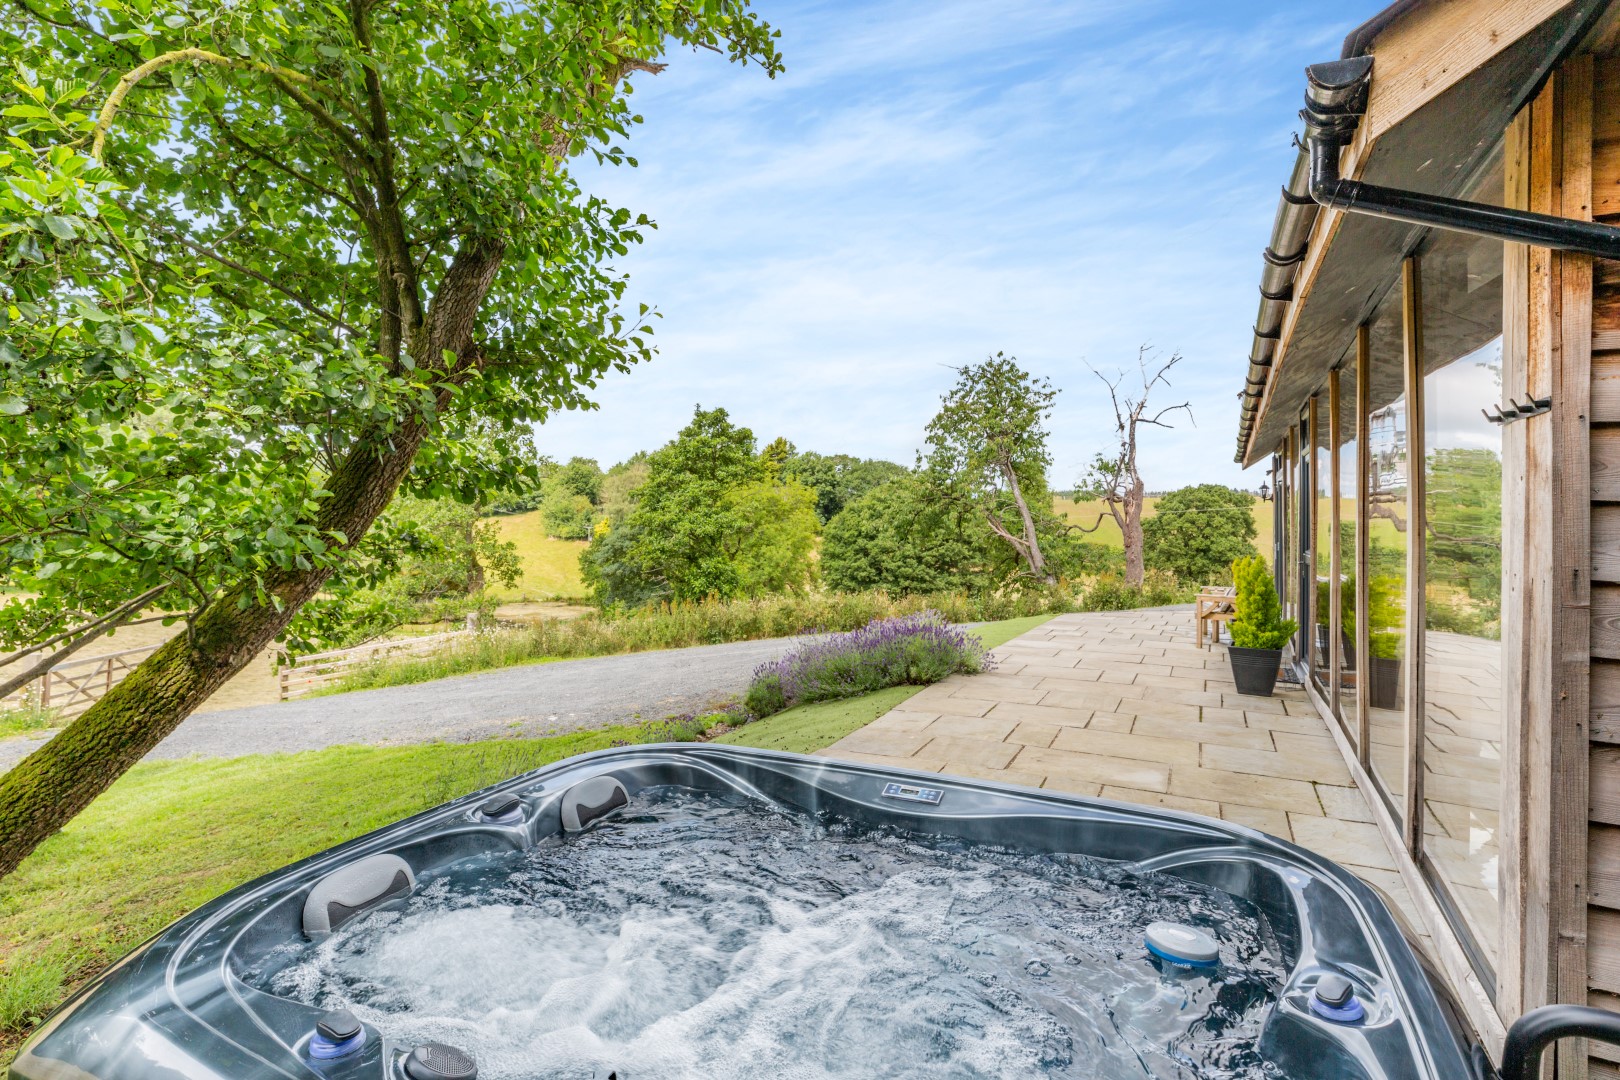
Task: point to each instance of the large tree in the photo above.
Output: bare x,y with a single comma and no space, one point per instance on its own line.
1113,478
1197,532
838,479
901,538
571,493
263,264
709,520
987,452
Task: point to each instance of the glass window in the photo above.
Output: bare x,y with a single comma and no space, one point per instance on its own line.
1348,492
1462,567
1321,545
1379,670
1285,577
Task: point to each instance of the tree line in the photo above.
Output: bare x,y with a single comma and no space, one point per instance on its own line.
714,514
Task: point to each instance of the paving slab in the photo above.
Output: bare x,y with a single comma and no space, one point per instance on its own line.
1126,705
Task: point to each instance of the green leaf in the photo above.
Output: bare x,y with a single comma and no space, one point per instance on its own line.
11,406
60,227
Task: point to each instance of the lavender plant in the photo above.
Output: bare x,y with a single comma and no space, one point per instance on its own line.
909,650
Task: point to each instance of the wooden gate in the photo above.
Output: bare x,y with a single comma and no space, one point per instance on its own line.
72,686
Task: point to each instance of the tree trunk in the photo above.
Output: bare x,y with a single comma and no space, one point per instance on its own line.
1032,543
1131,531
63,776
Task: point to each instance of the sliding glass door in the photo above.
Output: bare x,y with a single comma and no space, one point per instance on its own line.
1422,606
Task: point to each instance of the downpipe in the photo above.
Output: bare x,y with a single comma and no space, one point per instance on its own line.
1334,103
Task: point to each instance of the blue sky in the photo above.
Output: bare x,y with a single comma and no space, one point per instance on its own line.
930,182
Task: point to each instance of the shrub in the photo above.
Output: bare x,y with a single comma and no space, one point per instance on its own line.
1259,623
1111,593
911,650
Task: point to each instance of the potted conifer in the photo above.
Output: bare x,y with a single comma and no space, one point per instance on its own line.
1385,620
1259,631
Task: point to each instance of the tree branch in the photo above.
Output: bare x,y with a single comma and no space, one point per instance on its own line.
297,297
276,163
282,77
83,635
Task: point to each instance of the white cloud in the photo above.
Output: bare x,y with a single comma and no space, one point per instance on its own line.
930,183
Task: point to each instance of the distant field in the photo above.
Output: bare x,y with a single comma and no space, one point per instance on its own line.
550,567
1085,513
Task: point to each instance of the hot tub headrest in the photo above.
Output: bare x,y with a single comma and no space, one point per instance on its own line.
590,799
354,889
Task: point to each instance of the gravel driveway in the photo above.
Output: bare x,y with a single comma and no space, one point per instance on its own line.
536,699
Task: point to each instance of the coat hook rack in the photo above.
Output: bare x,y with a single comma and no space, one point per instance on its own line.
1507,414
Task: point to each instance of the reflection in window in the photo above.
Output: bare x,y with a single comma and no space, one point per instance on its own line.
1380,677
1348,490
1462,653
1321,549
1291,532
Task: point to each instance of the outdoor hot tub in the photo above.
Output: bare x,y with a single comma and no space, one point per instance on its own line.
698,910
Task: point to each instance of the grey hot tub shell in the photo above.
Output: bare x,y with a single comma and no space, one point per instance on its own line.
177,1008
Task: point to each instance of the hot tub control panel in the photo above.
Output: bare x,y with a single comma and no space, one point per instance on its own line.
912,793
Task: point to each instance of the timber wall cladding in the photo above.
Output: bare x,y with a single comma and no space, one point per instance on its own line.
1603,836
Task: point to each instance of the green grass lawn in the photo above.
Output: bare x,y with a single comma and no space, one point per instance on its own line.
550,567
171,835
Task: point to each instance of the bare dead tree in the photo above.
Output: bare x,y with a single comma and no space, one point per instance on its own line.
1114,479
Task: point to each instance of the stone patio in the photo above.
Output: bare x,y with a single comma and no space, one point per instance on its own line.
1125,705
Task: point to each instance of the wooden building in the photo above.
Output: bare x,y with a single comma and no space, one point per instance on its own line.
1438,404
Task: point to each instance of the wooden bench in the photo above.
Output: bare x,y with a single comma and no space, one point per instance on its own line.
1211,610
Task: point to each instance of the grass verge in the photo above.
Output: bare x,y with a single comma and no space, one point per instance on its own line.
677,626
21,721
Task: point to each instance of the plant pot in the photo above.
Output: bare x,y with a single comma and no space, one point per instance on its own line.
1384,686
1255,670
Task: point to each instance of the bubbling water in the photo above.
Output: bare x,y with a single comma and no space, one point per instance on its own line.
703,935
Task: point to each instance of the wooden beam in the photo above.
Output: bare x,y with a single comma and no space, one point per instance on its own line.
1572,495
1435,46
1335,599
1416,516
1363,643
1516,600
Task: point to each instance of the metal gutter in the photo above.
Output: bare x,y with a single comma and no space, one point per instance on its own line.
1336,97
1290,234
1360,39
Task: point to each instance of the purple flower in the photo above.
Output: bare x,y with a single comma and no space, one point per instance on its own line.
912,649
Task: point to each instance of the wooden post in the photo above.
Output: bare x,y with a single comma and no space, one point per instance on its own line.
1551,613
1572,557
1513,994
1363,642
1335,600
1412,665
1308,538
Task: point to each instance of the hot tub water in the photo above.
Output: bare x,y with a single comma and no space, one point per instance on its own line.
703,935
